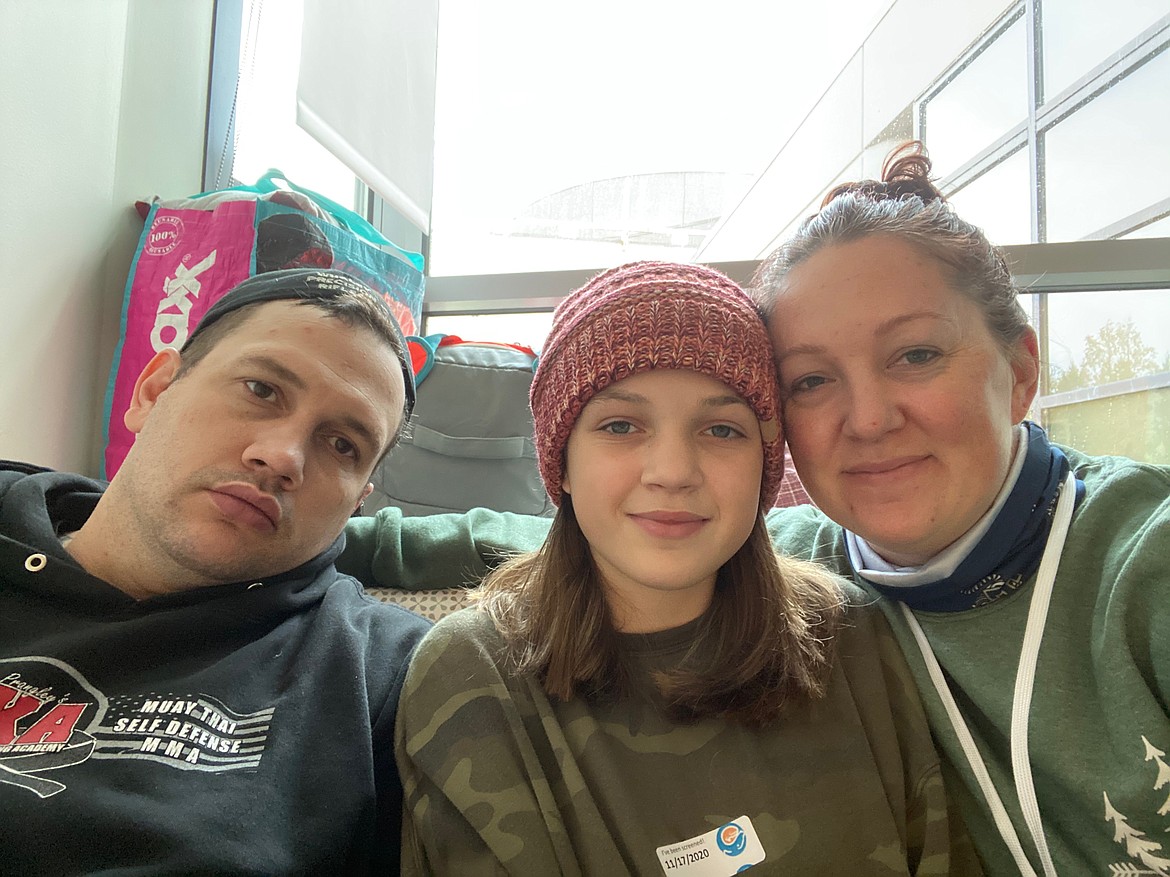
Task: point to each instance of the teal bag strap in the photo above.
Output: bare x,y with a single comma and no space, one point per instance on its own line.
345,217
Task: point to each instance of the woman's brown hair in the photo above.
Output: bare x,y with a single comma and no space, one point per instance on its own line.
764,643
904,204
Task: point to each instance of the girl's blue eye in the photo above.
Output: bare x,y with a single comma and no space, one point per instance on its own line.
724,430
619,427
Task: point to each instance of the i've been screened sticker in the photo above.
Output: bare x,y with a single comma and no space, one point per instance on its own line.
727,850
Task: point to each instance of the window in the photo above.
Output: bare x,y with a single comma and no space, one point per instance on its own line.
1080,34
1110,155
981,102
1159,228
999,201
1108,381
265,130
583,137
527,330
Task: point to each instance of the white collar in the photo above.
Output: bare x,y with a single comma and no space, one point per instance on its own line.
876,568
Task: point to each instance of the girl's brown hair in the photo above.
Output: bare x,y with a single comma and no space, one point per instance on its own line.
764,643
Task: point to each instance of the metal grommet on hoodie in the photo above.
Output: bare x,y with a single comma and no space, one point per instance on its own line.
35,562
254,585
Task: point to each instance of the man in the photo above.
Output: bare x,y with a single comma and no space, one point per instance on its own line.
187,684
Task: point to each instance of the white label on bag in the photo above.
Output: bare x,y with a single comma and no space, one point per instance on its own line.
727,850
177,293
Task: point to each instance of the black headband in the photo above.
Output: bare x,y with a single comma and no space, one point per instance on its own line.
309,285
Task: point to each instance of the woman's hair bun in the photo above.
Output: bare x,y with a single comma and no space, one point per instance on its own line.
905,174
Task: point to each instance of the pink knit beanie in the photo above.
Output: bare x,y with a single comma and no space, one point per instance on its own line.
649,315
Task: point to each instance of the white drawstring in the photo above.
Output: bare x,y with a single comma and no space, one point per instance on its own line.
1021,699
1002,821
1026,675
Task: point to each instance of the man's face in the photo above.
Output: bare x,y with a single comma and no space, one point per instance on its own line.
250,463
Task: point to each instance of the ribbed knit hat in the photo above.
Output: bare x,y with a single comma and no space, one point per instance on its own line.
649,315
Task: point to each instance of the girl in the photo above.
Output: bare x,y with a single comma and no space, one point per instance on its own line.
654,690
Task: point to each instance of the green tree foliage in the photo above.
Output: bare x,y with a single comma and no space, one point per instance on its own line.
1115,352
1134,424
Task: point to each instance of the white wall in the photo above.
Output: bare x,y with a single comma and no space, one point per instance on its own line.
101,103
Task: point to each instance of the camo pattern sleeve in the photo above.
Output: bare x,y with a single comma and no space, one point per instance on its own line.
476,799
937,842
500,780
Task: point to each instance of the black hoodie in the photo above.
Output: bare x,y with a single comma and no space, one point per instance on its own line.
242,729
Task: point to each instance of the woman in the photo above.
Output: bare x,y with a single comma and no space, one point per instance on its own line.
1027,583
654,690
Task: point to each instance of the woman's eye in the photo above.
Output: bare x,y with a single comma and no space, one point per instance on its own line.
618,427
809,382
920,356
260,390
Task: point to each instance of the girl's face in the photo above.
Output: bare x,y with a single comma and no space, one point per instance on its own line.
664,472
898,402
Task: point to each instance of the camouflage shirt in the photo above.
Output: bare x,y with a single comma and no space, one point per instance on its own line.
501,779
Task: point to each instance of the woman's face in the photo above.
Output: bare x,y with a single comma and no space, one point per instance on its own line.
898,402
664,471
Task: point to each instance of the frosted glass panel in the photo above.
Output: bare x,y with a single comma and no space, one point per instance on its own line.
1109,159
981,104
1080,34
999,202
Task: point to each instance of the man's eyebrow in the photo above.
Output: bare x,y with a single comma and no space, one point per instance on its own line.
882,328
275,368
288,376
359,427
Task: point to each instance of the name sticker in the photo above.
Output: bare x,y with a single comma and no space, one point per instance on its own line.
727,850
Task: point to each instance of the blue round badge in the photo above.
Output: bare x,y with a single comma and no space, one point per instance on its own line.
731,839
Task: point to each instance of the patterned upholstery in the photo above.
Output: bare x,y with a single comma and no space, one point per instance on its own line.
792,492
429,604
